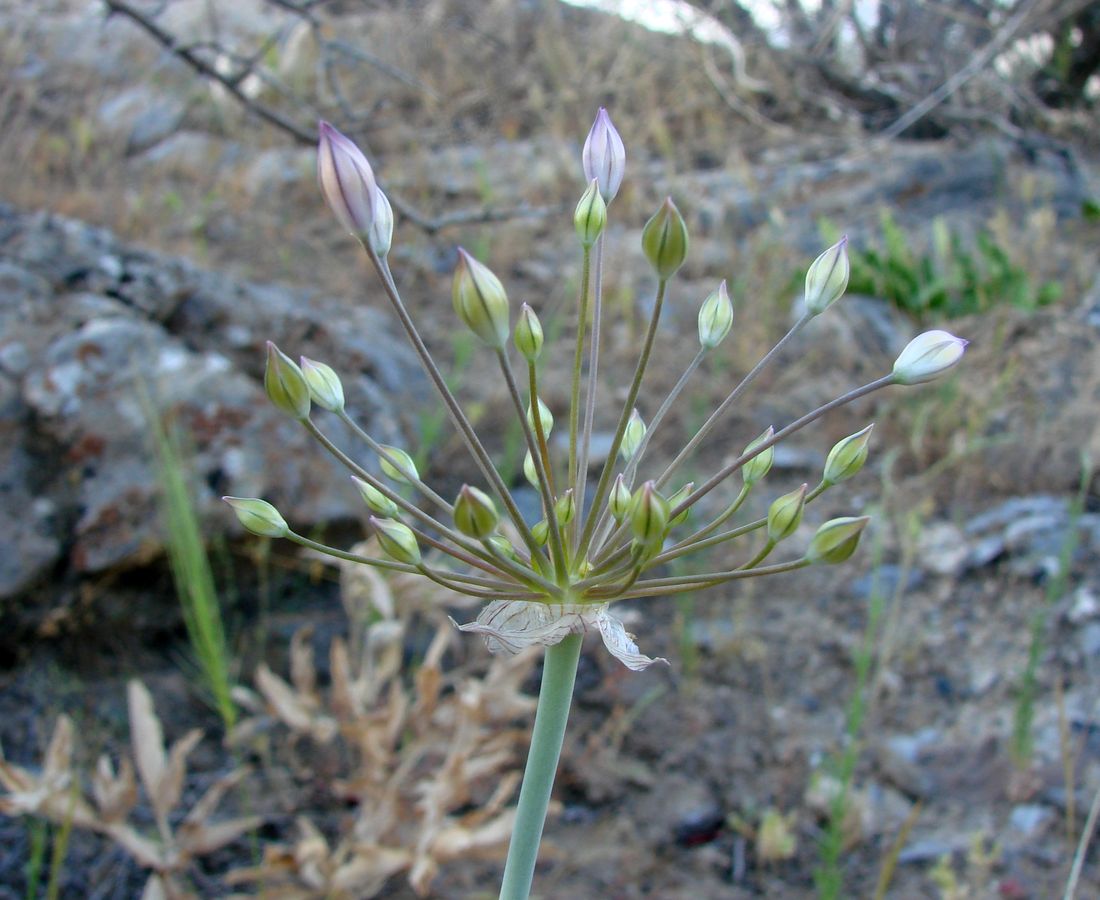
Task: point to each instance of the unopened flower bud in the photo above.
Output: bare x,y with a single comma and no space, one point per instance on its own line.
927,356
529,470
397,464
540,531
837,539
546,418
258,516
285,384
528,335
565,508
324,384
632,436
759,466
503,546
675,500
380,234
715,318
618,501
347,181
847,457
604,156
665,240
377,501
397,540
649,516
475,514
785,514
827,278
591,215
480,300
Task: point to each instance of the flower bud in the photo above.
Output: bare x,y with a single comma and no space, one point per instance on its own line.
836,540
676,499
529,470
565,508
285,384
927,356
324,385
785,514
346,181
591,215
665,240
540,531
546,418
397,540
759,466
258,516
649,516
380,234
375,499
618,501
528,334
847,457
715,318
827,278
475,515
480,300
503,546
604,156
632,436
397,464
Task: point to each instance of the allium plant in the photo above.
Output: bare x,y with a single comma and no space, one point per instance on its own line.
549,582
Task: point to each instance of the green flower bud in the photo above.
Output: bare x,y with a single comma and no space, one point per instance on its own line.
529,470
546,418
503,546
375,499
785,514
528,335
665,240
632,436
475,515
324,384
847,457
285,384
541,532
480,301
927,356
759,466
258,516
619,499
649,516
591,215
715,318
397,464
827,278
565,508
676,499
380,233
397,540
836,540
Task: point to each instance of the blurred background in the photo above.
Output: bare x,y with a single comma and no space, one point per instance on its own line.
921,722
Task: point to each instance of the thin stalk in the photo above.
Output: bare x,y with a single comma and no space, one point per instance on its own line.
578,359
442,580
544,449
656,587
632,395
473,443
719,520
581,485
733,397
535,443
685,547
559,671
769,546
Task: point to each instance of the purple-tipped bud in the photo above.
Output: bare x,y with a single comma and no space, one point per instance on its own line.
927,356
346,181
827,278
604,156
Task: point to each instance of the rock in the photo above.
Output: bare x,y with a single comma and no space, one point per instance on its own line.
1086,606
943,549
140,116
682,810
87,323
1027,821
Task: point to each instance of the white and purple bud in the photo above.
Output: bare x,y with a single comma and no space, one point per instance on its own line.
827,278
604,156
927,356
347,181
380,234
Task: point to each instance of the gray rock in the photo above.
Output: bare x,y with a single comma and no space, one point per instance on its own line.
1027,821
141,116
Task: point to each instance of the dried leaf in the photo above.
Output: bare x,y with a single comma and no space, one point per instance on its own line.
170,786
303,672
198,838
115,796
57,766
146,737
291,709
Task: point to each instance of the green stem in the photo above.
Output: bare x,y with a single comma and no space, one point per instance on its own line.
581,485
578,360
559,671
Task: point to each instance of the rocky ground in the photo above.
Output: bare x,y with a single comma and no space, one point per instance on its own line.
667,775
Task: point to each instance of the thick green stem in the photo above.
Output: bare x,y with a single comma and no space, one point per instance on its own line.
559,671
